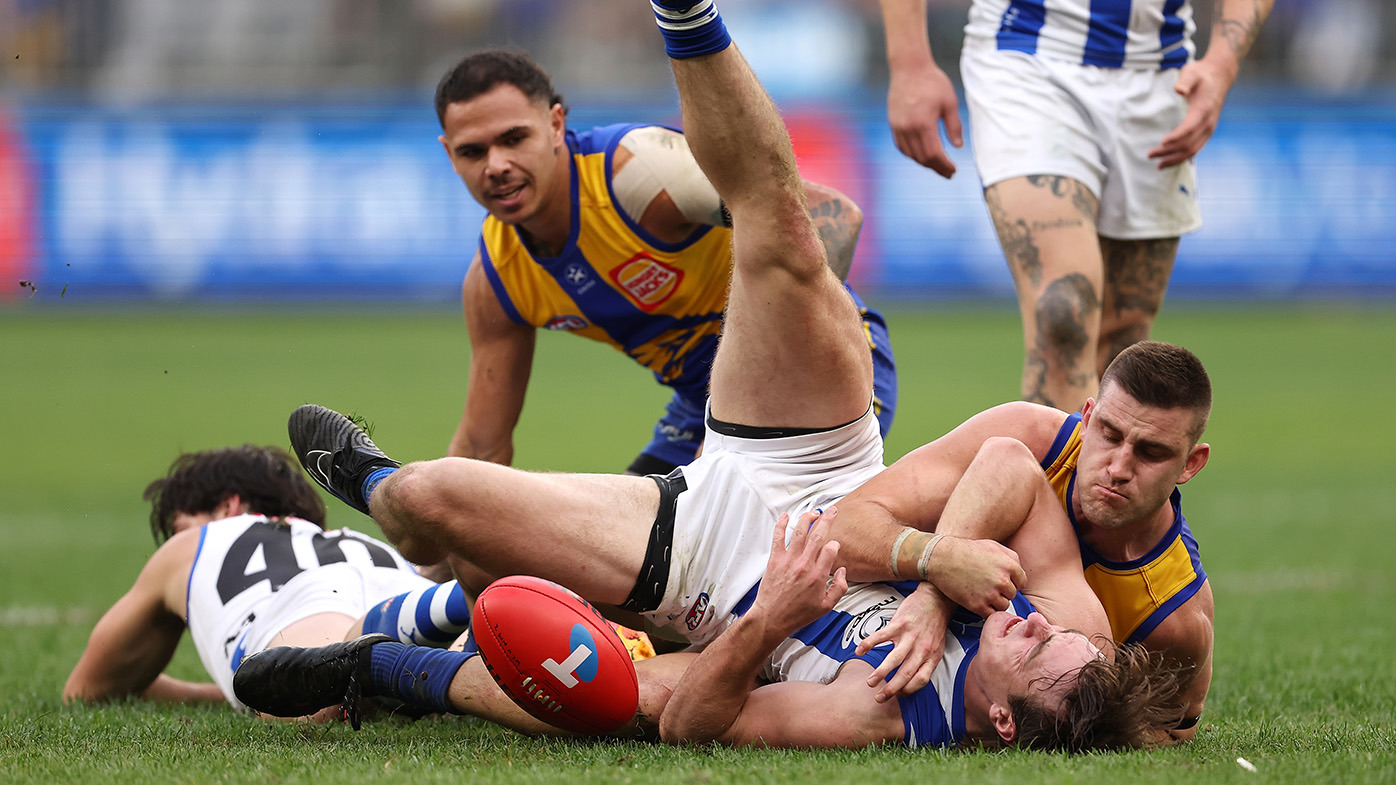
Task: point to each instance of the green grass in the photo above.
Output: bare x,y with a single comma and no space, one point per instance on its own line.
1296,514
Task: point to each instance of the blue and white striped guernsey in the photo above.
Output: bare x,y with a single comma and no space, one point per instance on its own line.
1138,34
933,716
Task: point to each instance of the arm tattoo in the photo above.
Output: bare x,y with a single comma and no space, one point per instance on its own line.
837,233
1240,34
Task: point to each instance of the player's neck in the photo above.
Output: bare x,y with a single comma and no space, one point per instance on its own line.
977,724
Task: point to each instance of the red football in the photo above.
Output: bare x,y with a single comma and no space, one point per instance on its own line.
555,655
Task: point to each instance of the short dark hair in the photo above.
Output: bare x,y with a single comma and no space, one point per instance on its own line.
482,71
1165,376
266,478
1130,703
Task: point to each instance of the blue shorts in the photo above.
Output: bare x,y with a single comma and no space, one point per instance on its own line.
679,432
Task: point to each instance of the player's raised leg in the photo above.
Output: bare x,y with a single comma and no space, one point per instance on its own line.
792,353
587,532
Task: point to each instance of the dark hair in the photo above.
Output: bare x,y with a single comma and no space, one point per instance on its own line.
1165,376
267,478
482,71
1130,703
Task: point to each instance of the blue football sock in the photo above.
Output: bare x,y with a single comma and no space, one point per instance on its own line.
416,675
434,616
690,29
372,480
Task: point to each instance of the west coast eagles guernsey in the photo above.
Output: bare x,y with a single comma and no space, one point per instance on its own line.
1137,594
933,716
252,577
660,303
1140,34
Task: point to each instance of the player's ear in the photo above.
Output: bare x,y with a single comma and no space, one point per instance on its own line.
444,145
557,121
231,505
1004,724
1196,460
1086,410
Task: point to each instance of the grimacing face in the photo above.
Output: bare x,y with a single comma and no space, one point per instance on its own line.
1020,656
504,145
1132,455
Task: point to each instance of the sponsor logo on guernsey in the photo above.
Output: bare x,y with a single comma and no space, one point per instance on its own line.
697,612
566,322
868,622
648,281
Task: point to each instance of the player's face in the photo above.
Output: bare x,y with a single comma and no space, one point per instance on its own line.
1132,456
504,146
1022,656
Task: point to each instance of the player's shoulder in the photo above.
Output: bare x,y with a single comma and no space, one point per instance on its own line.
605,138
1186,634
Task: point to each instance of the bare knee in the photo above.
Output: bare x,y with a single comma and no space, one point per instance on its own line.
408,507
1067,314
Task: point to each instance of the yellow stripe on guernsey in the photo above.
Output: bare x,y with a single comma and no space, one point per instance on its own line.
1139,594
661,304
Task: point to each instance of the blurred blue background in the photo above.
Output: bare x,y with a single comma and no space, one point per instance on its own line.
189,149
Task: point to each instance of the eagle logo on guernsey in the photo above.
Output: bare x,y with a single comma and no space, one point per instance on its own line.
648,281
565,322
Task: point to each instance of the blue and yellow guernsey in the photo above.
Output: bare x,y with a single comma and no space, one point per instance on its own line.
1137,594
660,303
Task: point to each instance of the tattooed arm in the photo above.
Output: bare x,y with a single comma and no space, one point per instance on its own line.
838,221
1205,82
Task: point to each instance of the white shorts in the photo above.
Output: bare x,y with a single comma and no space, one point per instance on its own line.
725,519
1033,115
333,588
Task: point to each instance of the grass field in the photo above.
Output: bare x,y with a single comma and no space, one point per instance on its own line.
1296,514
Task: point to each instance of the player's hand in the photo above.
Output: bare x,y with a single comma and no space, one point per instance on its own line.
800,583
918,101
917,634
1204,84
981,576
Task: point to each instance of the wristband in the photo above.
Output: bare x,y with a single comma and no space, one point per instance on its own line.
925,560
897,550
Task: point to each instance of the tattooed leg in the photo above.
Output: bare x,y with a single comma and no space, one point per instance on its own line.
1136,277
1047,227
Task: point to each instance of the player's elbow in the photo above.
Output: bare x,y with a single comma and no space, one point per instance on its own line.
78,689
679,730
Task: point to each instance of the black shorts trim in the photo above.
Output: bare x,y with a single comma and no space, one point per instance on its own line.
754,432
654,572
646,464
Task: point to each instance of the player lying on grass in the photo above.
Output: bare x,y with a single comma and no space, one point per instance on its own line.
787,672
789,429
1114,469
246,564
